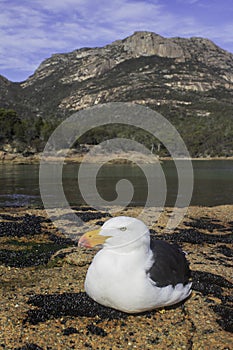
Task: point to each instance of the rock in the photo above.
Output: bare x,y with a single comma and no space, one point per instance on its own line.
149,44
155,67
73,256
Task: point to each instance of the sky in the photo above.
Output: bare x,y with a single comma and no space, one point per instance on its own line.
33,30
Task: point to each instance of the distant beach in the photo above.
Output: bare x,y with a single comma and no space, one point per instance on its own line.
120,158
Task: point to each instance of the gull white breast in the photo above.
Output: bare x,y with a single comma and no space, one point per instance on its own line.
131,273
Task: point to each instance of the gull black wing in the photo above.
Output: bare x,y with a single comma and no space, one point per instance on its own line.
170,265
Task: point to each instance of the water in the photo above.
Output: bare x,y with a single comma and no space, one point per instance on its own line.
213,183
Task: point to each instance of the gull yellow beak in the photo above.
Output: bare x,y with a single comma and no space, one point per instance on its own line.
91,239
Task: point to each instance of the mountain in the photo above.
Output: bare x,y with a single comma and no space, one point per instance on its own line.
8,93
189,81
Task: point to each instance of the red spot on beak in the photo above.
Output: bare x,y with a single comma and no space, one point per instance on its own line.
84,242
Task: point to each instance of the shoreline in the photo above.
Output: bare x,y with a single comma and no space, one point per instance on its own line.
118,158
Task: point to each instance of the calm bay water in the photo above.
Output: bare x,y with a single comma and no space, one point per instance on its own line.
213,183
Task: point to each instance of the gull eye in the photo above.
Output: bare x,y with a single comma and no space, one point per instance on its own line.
123,228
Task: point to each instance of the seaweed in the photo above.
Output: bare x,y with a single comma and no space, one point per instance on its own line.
22,253
211,284
80,304
21,226
67,304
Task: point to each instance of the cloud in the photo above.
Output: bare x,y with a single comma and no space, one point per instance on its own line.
189,2
31,31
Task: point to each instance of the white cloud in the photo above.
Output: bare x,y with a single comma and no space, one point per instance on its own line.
31,31
189,1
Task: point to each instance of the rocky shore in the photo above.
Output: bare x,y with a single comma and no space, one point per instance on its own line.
72,157
43,304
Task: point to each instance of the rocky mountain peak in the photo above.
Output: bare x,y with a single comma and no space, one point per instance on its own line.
86,63
144,68
189,81
148,44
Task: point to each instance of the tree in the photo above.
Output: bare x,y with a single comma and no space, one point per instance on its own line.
10,125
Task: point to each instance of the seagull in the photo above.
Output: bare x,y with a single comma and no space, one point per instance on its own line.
133,273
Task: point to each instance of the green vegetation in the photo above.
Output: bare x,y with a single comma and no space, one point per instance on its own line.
195,94
205,134
24,134
206,128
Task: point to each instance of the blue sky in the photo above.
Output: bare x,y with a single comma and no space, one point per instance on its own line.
32,30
